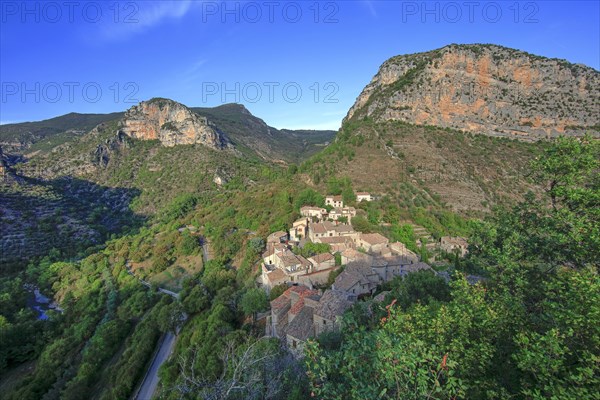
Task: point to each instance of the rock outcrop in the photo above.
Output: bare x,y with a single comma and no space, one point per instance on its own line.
171,123
485,89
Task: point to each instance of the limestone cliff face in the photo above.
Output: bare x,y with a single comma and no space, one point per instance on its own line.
484,89
170,122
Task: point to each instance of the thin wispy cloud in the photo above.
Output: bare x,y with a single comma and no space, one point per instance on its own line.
146,16
194,71
371,7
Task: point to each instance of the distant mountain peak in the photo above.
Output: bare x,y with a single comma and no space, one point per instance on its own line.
484,88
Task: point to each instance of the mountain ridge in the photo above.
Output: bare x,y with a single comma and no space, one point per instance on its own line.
487,89
233,120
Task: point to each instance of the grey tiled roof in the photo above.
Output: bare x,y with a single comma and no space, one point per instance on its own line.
348,278
301,326
333,303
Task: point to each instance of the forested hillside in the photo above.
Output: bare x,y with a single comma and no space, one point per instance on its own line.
528,330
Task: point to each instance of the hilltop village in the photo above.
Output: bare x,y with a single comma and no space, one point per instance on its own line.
361,261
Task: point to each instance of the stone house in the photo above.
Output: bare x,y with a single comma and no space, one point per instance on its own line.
363,196
328,312
291,317
399,250
277,322
338,244
313,212
314,278
334,201
292,264
389,268
338,212
322,261
301,313
280,265
351,255
277,237
452,244
373,243
299,230
300,329
272,250
345,230
358,278
271,277
320,229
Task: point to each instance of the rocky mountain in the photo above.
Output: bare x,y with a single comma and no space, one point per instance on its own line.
485,89
18,138
278,145
171,123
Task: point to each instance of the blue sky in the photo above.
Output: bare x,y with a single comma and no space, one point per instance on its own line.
294,64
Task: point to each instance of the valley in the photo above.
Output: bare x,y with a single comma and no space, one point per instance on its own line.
435,246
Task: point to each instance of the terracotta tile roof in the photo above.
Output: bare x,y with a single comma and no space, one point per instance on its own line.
275,236
343,228
373,238
273,248
335,198
276,275
335,239
319,258
350,253
298,289
280,302
321,227
296,308
317,228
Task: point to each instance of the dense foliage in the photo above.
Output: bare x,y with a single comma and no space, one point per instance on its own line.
531,330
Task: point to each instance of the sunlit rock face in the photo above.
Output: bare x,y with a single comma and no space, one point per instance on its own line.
171,123
484,89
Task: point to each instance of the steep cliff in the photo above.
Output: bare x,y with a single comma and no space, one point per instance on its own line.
171,123
485,89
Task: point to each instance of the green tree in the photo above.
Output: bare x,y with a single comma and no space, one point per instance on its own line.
530,330
254,301
309,197
422,286
277,291
257,245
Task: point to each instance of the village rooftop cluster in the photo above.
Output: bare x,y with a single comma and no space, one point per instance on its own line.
369,259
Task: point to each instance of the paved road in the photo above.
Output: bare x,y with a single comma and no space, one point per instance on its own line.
151,379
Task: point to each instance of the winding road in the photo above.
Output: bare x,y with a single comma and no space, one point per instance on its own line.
151,379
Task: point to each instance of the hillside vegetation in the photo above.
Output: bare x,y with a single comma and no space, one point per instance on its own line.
425,166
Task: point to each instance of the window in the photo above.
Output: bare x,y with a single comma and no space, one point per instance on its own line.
324,322
294,344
